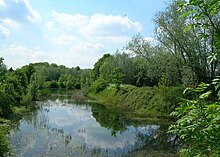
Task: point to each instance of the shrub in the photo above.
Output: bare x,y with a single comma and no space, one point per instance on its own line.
5,105
4,146
99,85
199,121
53,84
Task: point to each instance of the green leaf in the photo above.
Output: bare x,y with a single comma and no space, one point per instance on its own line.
217,118
205,95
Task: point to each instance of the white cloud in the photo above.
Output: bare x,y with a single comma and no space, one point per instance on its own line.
85,54
50,25
82,54
32,15
4,32
100,137
2,3
19,11
10,23
109,25
98,27
64,39
17,56
70,22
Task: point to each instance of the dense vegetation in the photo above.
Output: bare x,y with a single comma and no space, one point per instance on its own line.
186,54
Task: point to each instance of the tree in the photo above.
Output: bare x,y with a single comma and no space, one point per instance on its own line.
5,104
117,78
3,68
124,63
205,16
139,46
153,63
187,43
199,116
99,85
97,66
86,78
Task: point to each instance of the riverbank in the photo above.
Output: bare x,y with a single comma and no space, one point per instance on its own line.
7,123
138,104
141,101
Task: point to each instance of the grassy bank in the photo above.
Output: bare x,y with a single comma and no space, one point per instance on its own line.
142,101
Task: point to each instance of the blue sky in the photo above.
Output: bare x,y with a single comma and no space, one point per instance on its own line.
71,32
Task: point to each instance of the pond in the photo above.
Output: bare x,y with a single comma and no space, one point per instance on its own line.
67,128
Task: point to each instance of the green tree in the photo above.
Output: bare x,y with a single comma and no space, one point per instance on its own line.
99,85
97,66
117,78
86,79
198,121
139,46
5,104
204,15
187,43
124,63
3,68
199,116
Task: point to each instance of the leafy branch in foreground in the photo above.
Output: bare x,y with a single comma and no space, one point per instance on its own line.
198,123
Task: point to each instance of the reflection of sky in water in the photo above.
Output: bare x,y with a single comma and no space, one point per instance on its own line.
62,129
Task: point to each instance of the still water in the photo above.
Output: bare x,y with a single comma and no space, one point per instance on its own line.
67,128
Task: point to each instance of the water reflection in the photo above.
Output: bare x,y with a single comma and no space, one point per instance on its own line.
65,128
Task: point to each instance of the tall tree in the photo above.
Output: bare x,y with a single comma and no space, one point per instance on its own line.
186,42
3,68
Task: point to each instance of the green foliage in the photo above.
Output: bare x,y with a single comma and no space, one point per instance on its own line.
97,66
99,85
198,120
187,43
146,101
53,84
188,77
204,15
85,79
27,98
3,68
4,146
140,47
117,78
5,104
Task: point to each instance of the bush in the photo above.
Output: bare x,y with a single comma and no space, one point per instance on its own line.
198,121
5,105
77,86
99,85
53,84
4,146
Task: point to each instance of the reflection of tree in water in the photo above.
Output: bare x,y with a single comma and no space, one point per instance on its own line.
51,139
152,137
55,140
111,119
156,140
39,120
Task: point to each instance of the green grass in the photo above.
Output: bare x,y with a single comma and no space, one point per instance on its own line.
142,101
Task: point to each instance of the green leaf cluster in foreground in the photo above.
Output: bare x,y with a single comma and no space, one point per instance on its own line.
198,121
